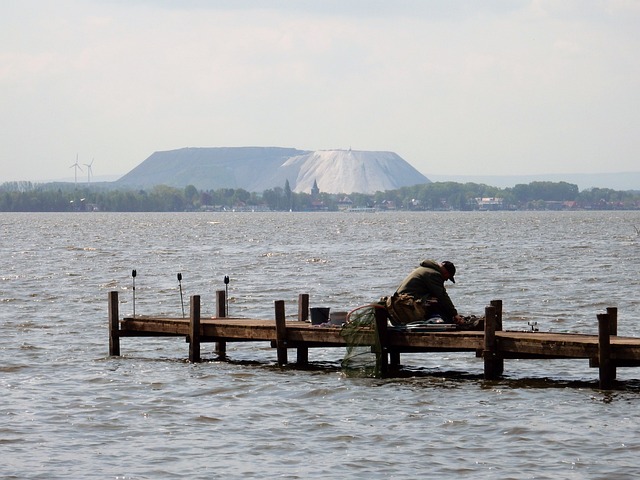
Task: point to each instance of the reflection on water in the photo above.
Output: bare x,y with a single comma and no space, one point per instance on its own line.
72,411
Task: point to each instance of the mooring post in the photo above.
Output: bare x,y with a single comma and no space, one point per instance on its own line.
498,361
394,358
498,306
613,320
194,329
220,348
303,307
382,349
613,331
114,324
605,366
281,332
302,353
491,365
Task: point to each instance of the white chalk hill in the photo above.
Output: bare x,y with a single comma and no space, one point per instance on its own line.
256,169
349,171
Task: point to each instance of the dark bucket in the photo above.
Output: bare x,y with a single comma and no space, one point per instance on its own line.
319,315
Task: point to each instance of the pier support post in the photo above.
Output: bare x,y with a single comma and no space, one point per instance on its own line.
220,348
114,325
613,320
498,361
382,350
194,329
607,369
394,359
303,307
281,332
613,331
302,353
491,360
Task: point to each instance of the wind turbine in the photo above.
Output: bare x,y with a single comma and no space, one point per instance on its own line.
89,171
77,167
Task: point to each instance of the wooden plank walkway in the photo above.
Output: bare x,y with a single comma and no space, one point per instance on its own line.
606,351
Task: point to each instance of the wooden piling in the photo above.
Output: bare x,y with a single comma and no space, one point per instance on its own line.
605,365
281,332
381,349
303,307
613,330
220,348
302,353
394,358
194,329
498,306
114,324
491,360
498,361
613,320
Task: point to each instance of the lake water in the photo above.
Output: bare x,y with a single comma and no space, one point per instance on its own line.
71,411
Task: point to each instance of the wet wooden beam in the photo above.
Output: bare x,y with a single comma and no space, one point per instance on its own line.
194,329
302,351
281,332
498,361
381,346
303,307
490,354
221,312
114,324
606,368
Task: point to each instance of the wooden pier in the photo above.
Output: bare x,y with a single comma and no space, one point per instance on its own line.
605,351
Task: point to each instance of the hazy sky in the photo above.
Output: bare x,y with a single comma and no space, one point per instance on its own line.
453,87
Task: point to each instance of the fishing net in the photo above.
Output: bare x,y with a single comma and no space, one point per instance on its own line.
363,355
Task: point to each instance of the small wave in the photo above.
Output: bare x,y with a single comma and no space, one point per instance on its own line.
12,368
73,248
317,260
207,419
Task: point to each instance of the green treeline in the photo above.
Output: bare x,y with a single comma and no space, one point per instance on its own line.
29,197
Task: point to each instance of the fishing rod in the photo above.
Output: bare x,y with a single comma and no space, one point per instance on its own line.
133,275
226,295
181,299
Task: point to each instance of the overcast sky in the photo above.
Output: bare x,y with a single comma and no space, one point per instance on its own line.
453,87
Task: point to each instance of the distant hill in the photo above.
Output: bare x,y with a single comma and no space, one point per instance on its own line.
208,168
256,169
616,181
348,171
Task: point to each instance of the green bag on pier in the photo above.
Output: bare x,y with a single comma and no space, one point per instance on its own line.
405,309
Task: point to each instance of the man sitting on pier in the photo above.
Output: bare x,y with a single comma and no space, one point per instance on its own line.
423,296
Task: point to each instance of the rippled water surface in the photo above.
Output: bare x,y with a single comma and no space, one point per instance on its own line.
71,411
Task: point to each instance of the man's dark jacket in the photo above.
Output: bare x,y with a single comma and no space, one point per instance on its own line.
426,282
